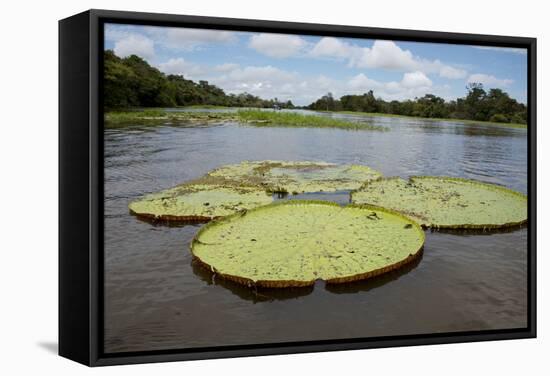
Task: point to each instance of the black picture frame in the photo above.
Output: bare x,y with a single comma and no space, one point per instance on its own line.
81,186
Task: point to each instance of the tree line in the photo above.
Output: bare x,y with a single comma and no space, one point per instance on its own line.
132,82
494,105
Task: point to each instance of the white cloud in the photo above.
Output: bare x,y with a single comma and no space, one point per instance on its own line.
383,55
226,67
142,41
269,82
324,83
267,73
413,84
415,79
361,83
190,39
332,47
277,45
387,55
452,73
182,67
519,51
489,80
134,44
264,81
114,33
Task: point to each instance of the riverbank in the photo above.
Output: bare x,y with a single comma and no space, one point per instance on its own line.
463,121
114,119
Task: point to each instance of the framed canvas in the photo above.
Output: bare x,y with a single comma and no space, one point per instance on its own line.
234,187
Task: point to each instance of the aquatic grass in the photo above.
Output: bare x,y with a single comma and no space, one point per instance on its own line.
294,243
292,119
114,119
258,118
206,106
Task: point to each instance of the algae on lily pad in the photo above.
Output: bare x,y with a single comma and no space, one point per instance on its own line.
198,202
246,185
298,177
295,243
442,202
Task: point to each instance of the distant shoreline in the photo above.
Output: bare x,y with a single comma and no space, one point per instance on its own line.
465,121
260,117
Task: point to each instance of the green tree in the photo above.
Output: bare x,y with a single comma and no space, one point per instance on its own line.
474,103
132,82
118,82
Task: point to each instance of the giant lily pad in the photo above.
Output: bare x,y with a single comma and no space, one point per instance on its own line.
298,177
294,243
441,202
198,202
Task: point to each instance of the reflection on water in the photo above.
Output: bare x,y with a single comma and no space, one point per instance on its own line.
156,298
372,283
255,295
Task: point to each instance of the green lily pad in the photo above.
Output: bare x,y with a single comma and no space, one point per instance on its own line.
246,185
198,202
452,203
298,177
295,243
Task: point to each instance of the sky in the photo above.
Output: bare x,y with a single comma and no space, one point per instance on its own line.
303,68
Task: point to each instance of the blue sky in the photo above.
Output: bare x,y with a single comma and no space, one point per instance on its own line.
303,68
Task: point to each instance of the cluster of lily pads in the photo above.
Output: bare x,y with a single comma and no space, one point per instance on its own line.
254,241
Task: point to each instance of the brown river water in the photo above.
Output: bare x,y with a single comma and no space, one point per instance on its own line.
157,299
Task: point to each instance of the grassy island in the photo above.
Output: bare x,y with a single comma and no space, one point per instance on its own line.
253,117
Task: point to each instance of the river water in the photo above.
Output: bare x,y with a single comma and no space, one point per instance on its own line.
157,299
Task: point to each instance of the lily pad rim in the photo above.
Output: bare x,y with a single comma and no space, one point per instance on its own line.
294,283
172,219
177,219
459,227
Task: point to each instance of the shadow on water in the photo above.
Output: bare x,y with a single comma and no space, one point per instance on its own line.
478,231
255,295
162,222
258,295
372,283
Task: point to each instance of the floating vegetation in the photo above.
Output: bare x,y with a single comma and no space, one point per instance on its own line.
293,119
198,202
447,203
295,243
298,177
115,119
246,185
